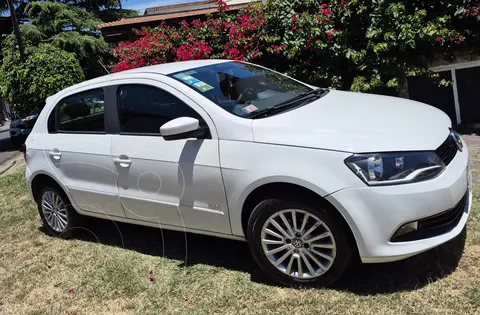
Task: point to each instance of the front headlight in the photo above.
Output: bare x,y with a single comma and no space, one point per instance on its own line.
395,168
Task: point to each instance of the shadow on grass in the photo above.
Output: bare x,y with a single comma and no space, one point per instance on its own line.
406,275
364,279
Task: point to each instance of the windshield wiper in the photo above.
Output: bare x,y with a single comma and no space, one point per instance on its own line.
317,93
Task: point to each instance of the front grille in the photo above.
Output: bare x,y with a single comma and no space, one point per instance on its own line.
436,225
447,150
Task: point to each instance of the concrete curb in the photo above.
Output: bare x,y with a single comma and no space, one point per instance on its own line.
9,165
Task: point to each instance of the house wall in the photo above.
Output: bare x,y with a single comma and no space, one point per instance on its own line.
459,100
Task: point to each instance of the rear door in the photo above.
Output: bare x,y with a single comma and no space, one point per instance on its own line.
176,183
78,151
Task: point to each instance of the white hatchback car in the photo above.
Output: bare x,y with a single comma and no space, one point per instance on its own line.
309,177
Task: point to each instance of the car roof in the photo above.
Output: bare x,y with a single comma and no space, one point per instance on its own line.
172,67
163,69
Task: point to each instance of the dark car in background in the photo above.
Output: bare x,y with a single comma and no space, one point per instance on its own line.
21,128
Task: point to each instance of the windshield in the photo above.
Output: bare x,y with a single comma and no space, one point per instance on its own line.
241,89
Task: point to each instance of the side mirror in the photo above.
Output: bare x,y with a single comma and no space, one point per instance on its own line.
182,128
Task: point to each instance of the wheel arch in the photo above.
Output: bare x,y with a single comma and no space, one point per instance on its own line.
40,180
279,188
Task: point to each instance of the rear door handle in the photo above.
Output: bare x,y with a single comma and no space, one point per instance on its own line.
123,161
56,154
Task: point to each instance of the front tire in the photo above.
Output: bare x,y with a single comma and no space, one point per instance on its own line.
58,216
296,243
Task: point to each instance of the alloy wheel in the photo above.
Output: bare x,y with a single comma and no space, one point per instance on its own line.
54,211
298,243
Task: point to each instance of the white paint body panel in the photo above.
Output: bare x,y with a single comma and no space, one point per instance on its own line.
355,122
172,182
201,185
178,126
378,211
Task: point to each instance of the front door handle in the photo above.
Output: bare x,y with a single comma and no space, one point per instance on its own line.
123,161
56,154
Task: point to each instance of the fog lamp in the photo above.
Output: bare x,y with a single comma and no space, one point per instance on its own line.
406,228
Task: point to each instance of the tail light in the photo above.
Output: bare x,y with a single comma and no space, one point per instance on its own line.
24,150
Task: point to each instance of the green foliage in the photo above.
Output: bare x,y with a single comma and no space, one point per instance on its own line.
52,18
46,71
378,43
106,10
66,27
82,45
364,46
31,37
19,4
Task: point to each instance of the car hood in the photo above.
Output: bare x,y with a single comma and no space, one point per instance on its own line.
355,122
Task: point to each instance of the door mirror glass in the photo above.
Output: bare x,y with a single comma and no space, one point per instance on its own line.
181,128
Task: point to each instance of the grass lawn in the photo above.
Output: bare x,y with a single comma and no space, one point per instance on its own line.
105,269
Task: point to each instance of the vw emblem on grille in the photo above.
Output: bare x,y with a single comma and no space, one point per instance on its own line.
457,140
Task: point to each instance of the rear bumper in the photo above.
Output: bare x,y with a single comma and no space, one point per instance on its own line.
375,213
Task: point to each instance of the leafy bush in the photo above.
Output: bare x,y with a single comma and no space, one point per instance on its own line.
57,36
225,36
46,71
367,46
71,29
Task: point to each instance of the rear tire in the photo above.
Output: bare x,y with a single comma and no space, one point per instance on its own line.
317,252
58,216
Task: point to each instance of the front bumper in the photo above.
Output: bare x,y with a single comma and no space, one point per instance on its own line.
375,213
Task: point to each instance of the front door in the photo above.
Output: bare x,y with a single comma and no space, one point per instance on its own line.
176,183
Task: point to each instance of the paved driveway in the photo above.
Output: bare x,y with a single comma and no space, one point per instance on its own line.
473,142
6,150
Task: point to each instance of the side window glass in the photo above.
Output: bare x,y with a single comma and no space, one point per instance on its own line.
51,121
82,112
144,109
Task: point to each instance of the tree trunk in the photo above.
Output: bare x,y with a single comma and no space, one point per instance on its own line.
2,109
16,29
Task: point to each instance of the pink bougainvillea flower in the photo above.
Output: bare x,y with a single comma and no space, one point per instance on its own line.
243,37
222,5
294,18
